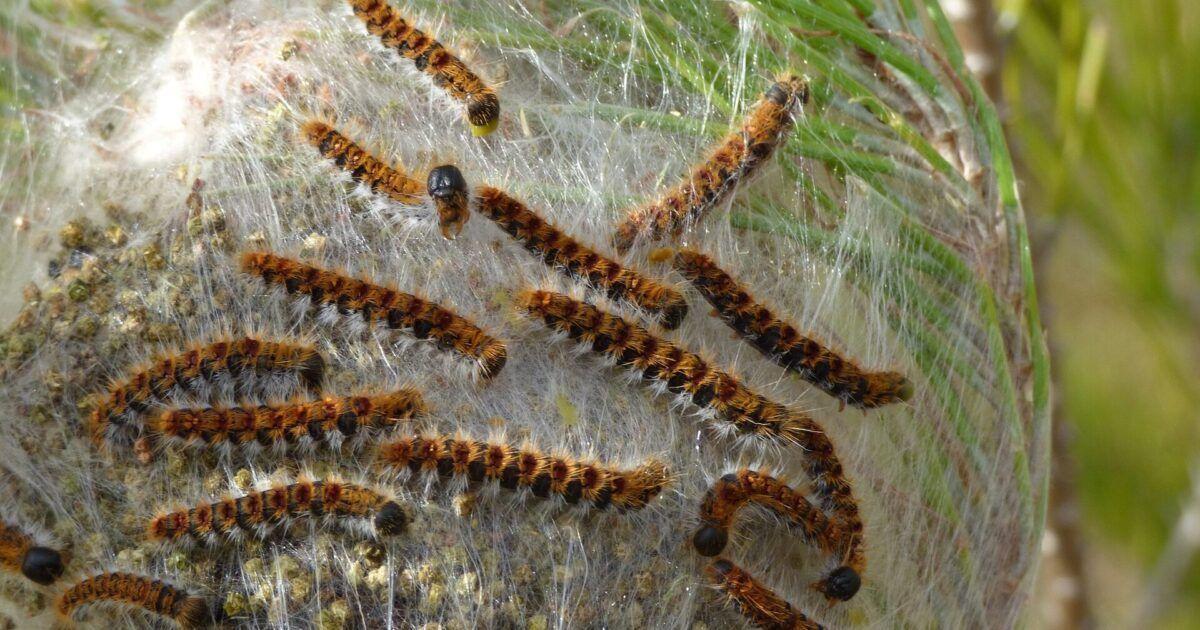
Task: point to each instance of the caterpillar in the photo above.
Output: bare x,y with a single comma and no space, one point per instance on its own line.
150,594
238,361
363,167
527,469
783,344
448,188
260,514
733,491
735,159
564,253
757,603
447,71
332,421
706,387
19,554
378,304
681,372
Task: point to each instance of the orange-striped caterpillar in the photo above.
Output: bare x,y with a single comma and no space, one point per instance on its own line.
734,160
783,344
362,166
155,596
681,372
448,188
447,71
19,553
238,362
757,603
339,294
525,468
733,491
332,421
544,240
261,514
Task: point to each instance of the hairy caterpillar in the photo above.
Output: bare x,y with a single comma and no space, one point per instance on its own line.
682,372
783,344
559,250
757,603
307,424
156,596
524,468
19,553
237,360
362,166
704,386
733,491
448,188
734,160
259,514
447,71
378,304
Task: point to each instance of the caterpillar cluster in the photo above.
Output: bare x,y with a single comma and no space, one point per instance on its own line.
429,56
544,240
733,491
782,343
681,372
735,159
150,594
261,514
361,165
375,304
332,421
514,468
238,362
757,603
20,554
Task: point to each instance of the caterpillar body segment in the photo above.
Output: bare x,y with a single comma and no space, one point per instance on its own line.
429,56
150,594
373,304
262,514
520,468
757,603
655,359
734,160
363,167
784,344
331,421
557,249
241,363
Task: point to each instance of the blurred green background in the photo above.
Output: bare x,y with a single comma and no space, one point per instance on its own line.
1102,104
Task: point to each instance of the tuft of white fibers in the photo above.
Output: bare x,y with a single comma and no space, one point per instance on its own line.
141,158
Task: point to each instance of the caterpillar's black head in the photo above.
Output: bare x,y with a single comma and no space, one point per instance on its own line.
842,584
42,565
446,181
391,520
710,541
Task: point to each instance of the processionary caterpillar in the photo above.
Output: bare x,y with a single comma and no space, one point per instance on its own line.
683,373
429,56
783,344
377,304
516,468
564,253
239,361
733,491
156,596
362,166
735,159
448,188
757,603
259,514
331,421
19,553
